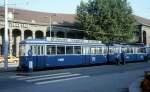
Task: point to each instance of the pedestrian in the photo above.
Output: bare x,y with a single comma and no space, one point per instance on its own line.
123,57
117,58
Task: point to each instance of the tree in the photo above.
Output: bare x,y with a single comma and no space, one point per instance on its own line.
106,20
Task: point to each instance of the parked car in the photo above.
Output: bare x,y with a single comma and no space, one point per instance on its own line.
1,59
11,59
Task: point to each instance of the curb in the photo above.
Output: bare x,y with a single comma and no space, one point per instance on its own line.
11,69
135,86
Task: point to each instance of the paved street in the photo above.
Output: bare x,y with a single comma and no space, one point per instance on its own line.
103,78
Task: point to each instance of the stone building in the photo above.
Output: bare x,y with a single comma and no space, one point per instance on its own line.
142,34
25,24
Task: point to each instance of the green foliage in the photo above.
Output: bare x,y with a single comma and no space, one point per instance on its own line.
106,20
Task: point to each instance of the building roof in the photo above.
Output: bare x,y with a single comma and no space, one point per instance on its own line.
56,18
41,17
142,20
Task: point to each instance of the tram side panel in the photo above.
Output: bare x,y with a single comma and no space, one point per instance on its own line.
129,57
69,60
98,59
111,58
50,61
40,62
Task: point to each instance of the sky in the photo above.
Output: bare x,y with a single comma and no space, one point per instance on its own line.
140,7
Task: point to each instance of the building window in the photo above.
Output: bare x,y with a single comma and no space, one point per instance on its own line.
144,37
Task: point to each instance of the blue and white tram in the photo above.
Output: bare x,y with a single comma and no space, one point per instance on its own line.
133,53
61,52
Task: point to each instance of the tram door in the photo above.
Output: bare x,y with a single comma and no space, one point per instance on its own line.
40,56
87,56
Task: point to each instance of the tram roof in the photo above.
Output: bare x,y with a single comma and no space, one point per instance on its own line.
61,41
133,45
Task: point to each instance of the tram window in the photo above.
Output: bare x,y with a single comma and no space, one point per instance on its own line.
86,50
34,50
48,50
38,52
60,49
77,49
93,50
123,49
129,50
105,51
138,50
42,50
22,50
69,49
51,49
111,50
98,50
141,50
116,50
31,48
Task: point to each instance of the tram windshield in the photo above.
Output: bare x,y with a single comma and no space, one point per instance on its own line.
22,50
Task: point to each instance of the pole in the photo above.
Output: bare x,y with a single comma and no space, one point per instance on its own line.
50,23
6,37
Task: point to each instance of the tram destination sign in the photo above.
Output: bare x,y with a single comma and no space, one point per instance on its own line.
68,40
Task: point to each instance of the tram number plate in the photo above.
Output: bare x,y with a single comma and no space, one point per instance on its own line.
93,58
61,59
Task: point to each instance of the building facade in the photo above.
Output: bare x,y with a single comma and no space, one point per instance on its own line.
142,34
24,24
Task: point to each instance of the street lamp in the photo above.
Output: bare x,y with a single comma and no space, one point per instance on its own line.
6,36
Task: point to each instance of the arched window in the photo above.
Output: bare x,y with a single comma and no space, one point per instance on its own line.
39,35
27,34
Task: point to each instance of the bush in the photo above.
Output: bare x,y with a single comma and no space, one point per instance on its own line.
145,85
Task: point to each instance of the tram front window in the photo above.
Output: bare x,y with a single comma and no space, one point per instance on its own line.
22,50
